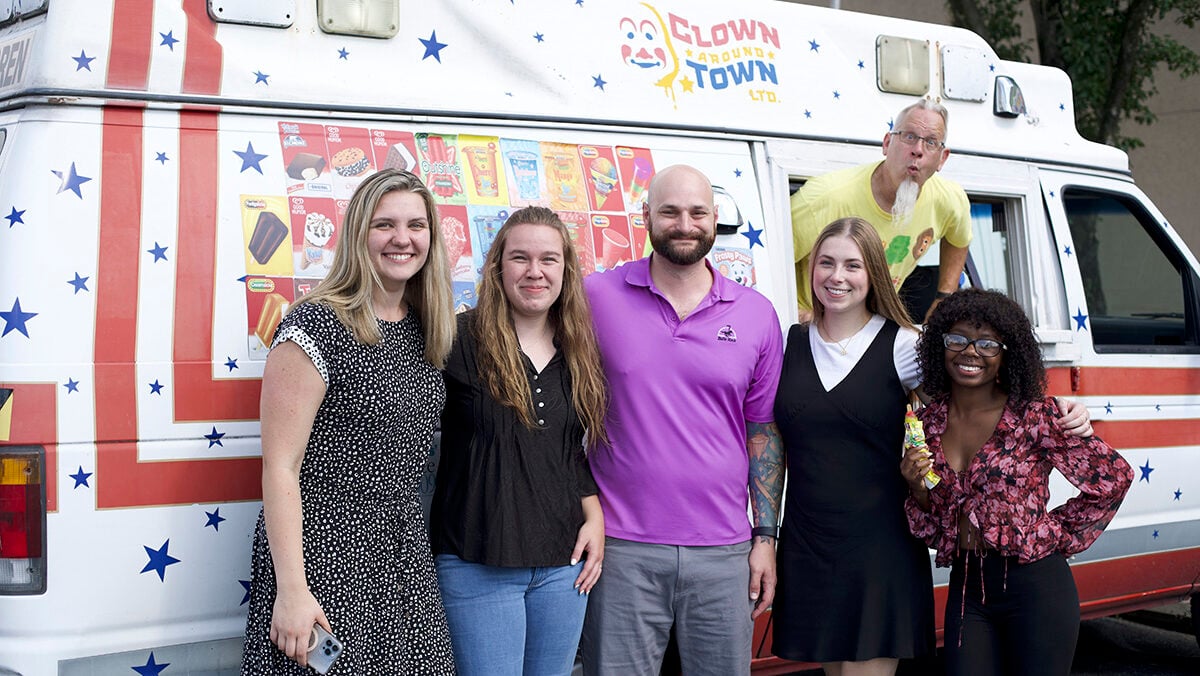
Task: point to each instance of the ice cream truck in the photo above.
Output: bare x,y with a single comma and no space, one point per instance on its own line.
174,175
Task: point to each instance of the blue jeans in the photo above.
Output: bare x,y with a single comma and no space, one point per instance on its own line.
512,621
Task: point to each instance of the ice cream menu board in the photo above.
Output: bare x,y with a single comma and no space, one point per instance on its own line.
477,182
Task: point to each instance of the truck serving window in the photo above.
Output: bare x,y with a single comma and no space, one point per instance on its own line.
1141,296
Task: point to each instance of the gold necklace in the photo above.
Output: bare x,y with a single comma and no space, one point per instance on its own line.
843,344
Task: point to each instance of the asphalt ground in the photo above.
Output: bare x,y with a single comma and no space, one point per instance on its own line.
1160,642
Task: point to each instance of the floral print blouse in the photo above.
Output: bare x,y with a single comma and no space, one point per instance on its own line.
1005,489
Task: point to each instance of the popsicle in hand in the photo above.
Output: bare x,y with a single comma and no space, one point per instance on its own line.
914,437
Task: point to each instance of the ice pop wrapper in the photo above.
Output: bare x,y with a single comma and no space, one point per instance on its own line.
914,437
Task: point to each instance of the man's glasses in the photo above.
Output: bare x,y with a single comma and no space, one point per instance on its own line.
910,139
984,347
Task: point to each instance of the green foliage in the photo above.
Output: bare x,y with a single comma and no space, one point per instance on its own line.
1110,49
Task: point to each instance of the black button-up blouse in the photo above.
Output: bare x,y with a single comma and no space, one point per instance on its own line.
508,495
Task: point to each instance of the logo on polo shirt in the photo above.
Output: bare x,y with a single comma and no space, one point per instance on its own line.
727,334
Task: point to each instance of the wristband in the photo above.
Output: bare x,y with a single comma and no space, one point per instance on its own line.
765,531
943,294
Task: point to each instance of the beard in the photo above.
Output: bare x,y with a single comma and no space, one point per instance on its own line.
905,202
674,249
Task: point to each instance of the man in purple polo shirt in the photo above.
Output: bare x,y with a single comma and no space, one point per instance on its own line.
693,361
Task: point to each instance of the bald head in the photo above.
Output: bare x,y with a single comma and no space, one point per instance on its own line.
679,182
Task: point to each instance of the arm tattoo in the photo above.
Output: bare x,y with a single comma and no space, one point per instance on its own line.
766,471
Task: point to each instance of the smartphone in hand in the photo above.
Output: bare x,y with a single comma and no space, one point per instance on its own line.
323,649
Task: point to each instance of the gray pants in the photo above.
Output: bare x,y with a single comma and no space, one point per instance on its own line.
645,588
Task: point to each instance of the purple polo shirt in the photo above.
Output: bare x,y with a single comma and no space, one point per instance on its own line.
677,470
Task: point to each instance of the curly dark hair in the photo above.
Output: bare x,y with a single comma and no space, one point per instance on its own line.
1022,374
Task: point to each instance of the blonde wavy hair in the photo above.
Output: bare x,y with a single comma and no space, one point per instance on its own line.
352,277
882,298
571,317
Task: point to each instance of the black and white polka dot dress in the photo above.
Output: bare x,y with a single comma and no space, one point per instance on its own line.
366,550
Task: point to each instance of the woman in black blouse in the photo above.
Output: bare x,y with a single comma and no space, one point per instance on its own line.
517,526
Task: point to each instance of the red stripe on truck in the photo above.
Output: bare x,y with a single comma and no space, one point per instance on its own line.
198,396
1122,381
202,67
129,50
121,479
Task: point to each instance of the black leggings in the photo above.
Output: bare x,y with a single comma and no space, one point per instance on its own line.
1019,620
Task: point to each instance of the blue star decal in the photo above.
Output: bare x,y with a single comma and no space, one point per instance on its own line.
808,114
214,438
246,597
71,181
1067,249
14,319
991,68
159,251
161,158
169,40
539,37
813,46
1051,194
837,94
72,385
1080,320
159,560
81,478
1062,106
753,235
1178,493
1155,534
214,519
151,668
83,61
260,76
891,125
231,363
737,173
1108,408
14,217
250,159
579,3
1158,407
433,47
155,387
1146,469
598,81
80,283
861,65
343,54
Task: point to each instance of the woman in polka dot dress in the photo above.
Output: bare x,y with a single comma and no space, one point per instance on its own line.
351,394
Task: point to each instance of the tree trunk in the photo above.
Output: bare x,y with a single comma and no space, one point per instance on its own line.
1133,29
966,14
1047,23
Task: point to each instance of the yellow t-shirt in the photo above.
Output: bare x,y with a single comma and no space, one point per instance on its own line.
942,211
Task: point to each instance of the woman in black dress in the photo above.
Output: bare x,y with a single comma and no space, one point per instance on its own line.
350,398
855,590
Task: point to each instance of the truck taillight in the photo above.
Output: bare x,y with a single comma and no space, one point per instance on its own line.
22,520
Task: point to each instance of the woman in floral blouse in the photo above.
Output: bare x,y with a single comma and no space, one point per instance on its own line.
1013,607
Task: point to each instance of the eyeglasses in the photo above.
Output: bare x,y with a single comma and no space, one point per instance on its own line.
910,139
984,347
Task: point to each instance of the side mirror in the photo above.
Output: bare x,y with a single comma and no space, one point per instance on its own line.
729,217
1008,100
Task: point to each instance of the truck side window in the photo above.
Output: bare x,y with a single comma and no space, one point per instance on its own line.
1140,293
987,266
